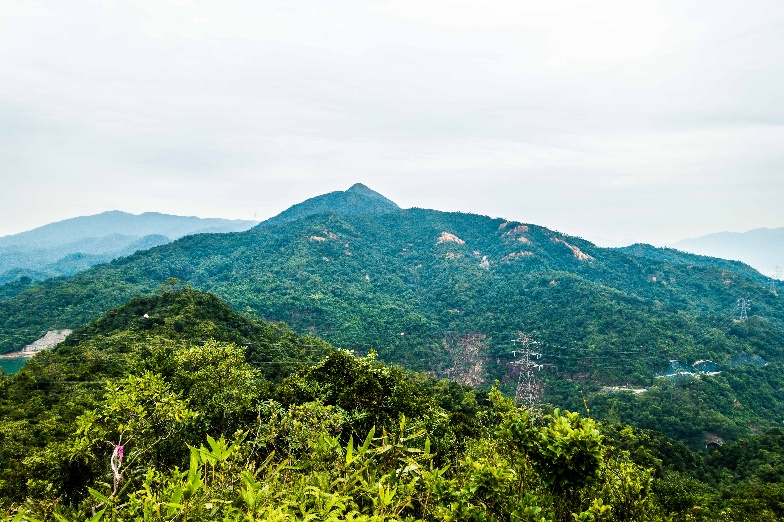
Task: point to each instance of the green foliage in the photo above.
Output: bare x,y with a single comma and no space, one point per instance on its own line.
564,450
687,409
15,287
358,199
361,280
678,257
370,391
209,433
142,413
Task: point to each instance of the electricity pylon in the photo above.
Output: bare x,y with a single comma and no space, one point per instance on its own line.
528,388
742,308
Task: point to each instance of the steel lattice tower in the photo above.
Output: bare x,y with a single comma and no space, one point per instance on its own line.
528,389
742,308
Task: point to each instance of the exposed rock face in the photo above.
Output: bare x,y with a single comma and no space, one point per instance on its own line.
446,237
522,253
468,352
516,231
47,342
579,254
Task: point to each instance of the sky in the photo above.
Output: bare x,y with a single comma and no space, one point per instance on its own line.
612,120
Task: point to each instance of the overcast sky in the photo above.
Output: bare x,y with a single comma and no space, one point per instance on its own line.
617,121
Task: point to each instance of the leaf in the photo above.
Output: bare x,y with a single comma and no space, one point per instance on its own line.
410,467
350,451
97,517
99,496
176,495
368,440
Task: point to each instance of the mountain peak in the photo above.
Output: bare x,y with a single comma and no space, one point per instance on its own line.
363,189
358,199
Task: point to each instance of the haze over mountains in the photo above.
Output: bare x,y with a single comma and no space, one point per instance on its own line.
72,245
762,248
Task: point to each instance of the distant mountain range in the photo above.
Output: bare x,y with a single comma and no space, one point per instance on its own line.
762,248
72,245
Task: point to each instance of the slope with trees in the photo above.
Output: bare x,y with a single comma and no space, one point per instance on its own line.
139,415
445,293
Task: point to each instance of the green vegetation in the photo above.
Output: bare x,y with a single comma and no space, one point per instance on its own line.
678,257
445,292
734,404
174,407
358,199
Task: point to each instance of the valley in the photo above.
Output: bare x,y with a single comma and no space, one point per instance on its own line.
435,298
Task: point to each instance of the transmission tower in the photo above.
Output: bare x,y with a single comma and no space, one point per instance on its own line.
775,275
528,386
742,308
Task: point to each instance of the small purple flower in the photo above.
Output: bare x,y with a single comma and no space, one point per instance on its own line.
119,451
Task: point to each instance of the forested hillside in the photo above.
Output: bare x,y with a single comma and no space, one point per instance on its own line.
678,257
175,407
357,199
446,292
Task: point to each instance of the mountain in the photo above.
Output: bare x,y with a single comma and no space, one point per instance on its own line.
446,292
72,245
762,248
358,199
678,257
116,222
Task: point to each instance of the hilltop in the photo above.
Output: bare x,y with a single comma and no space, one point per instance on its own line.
357,199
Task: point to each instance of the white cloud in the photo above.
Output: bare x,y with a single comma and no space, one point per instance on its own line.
612,119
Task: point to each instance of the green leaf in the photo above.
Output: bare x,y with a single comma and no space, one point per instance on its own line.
368,440
99,496
97,517
176,495
350,451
